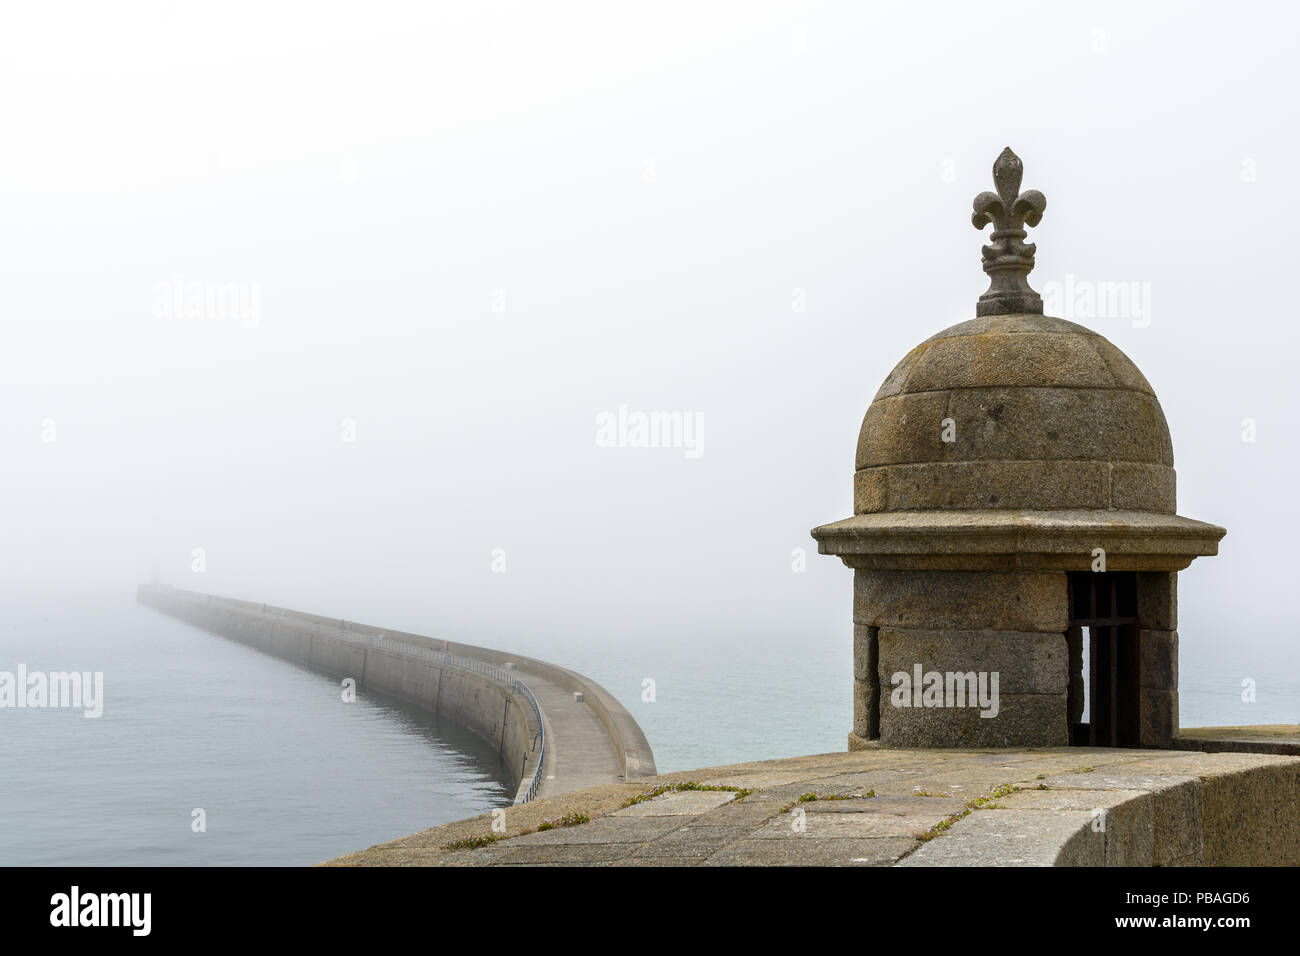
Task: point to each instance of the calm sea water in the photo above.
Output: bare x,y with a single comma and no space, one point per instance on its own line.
284,770
723,700
287,773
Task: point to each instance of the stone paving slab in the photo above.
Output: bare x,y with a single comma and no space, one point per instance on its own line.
1013,838
693,842
839,825
846,804
483,856
689,803
569,853
1070,799
748,813
881,817
879,851
606,830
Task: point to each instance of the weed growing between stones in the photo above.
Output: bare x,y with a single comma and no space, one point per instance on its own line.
985,802
568,820
740,792
810,797
473,843
478,842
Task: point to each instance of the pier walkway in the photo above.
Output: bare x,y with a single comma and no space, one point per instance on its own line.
579,750
525,707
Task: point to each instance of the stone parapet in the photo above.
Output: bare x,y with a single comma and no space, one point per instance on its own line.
1063,806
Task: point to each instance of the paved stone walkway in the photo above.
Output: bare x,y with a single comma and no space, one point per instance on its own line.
1066,806
580,751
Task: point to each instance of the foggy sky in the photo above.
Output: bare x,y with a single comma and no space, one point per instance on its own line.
471,229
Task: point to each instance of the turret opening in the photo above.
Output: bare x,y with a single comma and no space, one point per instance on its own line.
1105,664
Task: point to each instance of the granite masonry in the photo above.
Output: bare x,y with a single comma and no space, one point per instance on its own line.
1014,533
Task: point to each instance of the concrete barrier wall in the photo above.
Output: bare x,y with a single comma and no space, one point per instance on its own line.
340,649
635,755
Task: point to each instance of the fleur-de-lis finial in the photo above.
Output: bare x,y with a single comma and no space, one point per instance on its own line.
1008,259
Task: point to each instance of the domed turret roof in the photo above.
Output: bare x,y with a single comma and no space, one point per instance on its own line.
1015,412
1015,440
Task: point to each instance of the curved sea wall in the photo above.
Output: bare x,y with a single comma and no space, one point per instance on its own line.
473,687
636,759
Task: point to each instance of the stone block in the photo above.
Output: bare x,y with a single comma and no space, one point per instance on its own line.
1023,720
896,380
870,491
866,709
996,600
1039,424
1158,652
1250,816
962,485
1158,599
1141,487
1054,359
1026,662
858,743
865,653
1009,324
1157,717
903,428
1126,374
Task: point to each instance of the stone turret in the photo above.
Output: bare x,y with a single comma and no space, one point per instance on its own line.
1014,540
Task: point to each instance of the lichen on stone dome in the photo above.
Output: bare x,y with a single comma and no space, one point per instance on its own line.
1019,411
